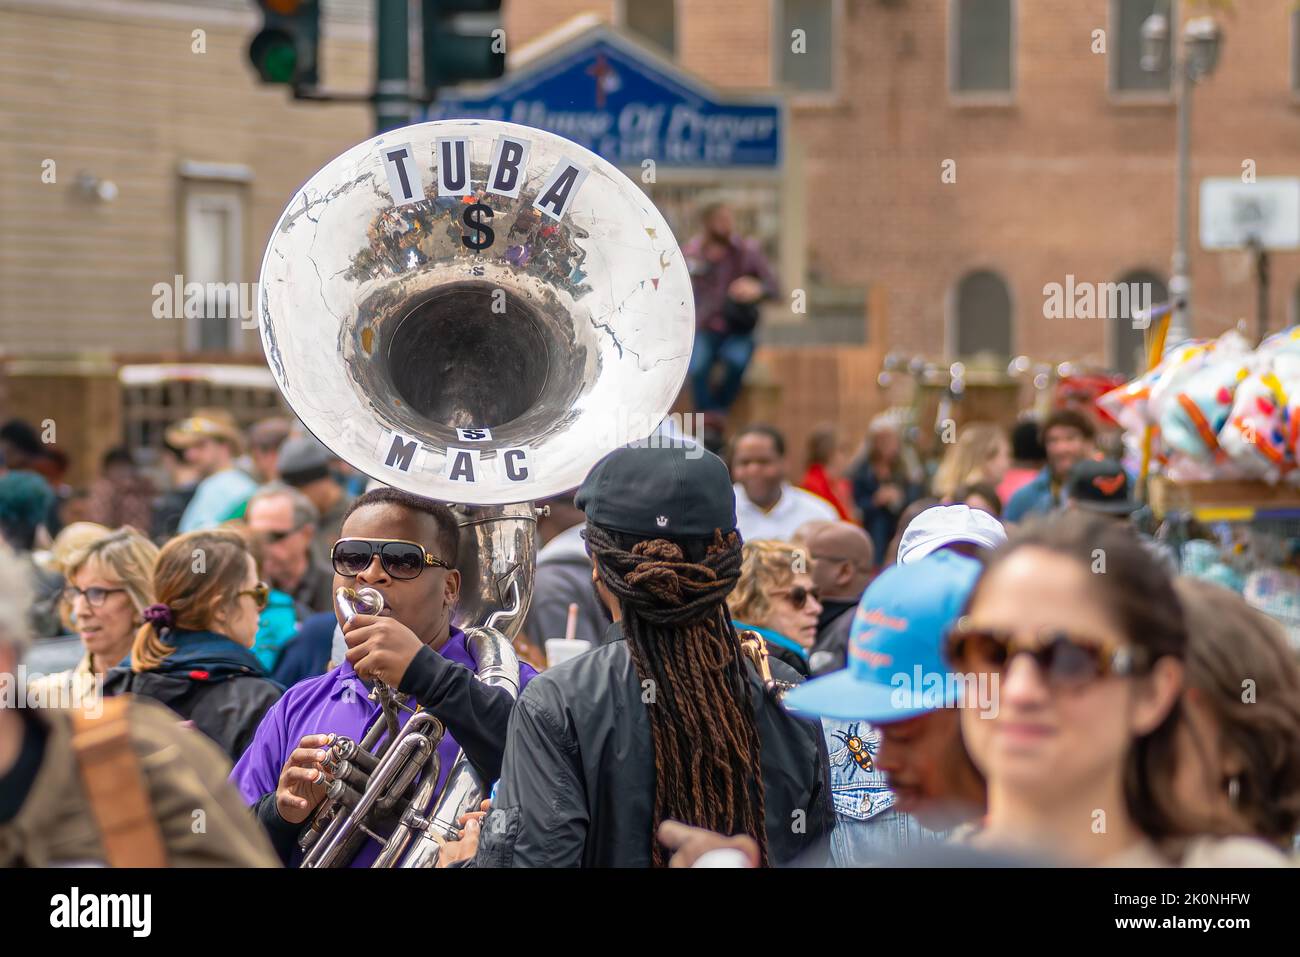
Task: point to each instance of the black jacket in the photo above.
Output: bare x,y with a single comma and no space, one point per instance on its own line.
577,782
830,651
209,680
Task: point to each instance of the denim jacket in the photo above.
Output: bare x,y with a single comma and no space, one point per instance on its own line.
868,829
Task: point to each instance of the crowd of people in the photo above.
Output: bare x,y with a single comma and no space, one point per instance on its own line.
890,660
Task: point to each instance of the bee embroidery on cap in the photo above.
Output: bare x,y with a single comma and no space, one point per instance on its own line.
661,521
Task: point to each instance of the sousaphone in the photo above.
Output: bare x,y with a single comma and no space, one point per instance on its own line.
476,312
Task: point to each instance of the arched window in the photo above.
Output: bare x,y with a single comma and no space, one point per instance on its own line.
1144,289
983,315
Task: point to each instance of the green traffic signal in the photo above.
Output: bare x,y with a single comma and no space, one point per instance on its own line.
274,56
285,50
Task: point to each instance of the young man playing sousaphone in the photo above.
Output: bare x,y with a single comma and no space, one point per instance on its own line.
404,547
667,719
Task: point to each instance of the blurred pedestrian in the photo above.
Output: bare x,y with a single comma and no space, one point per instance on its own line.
841,566
264,441
170,504
282,522
563,578
981,454
980,495
109,782
285,523
904,523
1239,737
768,506
900,775
886,479
305,464
1067,438
1027,459
776,598
967,531
825,476
23,450
1080,754
211,442
121,495
1101,487
192,654
730,276
25,500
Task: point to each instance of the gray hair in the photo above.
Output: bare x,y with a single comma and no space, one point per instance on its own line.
16,597
304,512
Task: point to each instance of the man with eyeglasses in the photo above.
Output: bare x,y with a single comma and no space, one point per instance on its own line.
284,521
403,546
842,558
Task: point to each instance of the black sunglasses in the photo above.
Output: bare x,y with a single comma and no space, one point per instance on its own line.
1063,659
402,560
799,595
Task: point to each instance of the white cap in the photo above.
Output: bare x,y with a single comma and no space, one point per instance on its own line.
946,524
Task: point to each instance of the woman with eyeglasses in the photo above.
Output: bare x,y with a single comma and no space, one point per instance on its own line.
1086,640
776,598
192,653
109,585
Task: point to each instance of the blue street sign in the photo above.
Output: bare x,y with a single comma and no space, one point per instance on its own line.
628,105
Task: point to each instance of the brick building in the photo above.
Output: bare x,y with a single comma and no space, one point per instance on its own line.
1063,161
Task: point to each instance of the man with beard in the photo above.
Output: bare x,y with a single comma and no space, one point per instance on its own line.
403,546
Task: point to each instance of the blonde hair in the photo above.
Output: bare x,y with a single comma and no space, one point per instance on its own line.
765,566
73,539
194,593
125,555
964,463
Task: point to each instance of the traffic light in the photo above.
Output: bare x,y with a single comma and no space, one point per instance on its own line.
451,57
284,51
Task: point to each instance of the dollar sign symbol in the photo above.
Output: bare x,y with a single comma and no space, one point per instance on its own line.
475,217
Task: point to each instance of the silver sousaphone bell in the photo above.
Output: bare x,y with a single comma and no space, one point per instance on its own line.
475,312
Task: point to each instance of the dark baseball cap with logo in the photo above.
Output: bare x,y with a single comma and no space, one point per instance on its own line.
678,491
1101,485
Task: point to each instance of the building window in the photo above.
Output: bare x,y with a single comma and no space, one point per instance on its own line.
1128,344
982,46
983,315
805,51
1125,50
214,257
653,20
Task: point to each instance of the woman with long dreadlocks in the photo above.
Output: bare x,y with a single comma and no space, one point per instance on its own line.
666,720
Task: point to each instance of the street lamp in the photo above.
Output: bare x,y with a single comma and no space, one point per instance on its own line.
1202,40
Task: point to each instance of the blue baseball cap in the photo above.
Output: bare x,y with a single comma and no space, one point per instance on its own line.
896,645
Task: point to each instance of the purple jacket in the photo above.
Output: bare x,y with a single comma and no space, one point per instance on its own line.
711,280
442,681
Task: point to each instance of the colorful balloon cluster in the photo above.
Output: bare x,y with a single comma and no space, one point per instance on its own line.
1218,409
